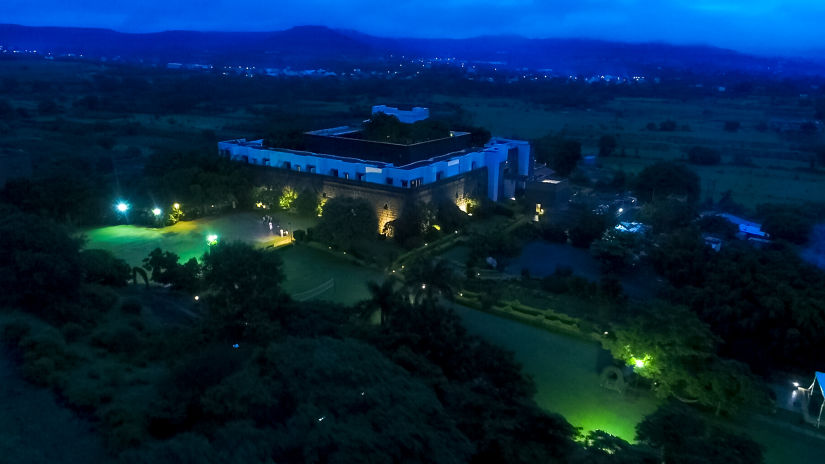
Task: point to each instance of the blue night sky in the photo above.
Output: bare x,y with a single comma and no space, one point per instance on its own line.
761,26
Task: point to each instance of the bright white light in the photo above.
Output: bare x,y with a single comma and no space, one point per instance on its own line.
640,363
197,298
176,206
621,210
796,384
122,207
156,211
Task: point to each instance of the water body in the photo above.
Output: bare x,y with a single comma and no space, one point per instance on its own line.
543,258
566,373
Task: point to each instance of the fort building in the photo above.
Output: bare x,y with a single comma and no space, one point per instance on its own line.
342,160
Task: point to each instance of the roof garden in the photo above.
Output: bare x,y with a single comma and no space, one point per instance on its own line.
384,138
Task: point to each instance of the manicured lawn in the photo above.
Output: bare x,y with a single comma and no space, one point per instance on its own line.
566,372
305,268
187,238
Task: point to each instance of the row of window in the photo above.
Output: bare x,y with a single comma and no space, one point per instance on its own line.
334,172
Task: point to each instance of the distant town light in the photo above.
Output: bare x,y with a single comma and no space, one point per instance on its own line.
122,207
156,211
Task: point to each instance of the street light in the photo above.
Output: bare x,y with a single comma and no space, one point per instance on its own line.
211,239
122,206
176,206
156,211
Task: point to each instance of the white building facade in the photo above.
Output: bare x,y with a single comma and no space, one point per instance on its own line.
507,161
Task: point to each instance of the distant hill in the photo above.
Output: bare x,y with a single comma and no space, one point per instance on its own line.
318,45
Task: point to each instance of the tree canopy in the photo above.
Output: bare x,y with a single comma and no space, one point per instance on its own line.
661,180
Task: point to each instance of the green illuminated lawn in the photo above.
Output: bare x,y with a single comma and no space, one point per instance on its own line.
566,373
187,238
305,268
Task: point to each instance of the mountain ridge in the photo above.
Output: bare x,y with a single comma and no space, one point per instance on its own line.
317,44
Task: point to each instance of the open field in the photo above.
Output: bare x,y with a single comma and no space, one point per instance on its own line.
568,383
305,268
779,173
187,238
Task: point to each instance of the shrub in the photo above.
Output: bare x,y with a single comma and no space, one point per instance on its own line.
14,331
122,339
300,235
131,305
72,331
704,156
553,232
732,126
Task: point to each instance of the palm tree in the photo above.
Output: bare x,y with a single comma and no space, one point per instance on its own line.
138,271
426,279
384,298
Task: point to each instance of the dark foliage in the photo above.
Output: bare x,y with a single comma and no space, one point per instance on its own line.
561,154
704,156
661,180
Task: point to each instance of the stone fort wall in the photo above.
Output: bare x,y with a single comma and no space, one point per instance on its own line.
388,201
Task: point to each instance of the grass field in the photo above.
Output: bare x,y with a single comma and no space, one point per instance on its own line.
779,173
305,268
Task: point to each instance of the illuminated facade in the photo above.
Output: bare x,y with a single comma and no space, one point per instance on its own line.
340,153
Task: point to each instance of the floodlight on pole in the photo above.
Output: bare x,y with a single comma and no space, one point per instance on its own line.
122,206
176,206
211,239
156,211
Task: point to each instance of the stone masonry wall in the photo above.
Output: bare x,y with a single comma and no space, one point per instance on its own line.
388,201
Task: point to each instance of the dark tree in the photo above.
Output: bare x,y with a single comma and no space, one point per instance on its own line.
663,179
683,437
788,222
103,267
667,126
347,223
732,126
166,269
607,145
561,154
245,298
40,263
586,227
704,156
